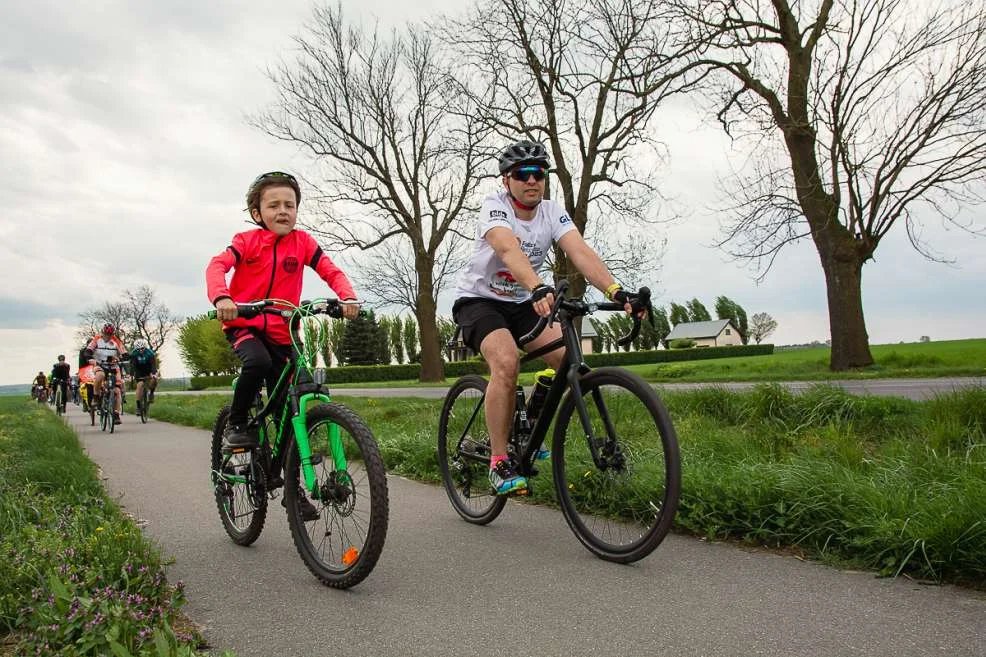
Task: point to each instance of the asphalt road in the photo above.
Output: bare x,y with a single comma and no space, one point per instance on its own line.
916,389
521,586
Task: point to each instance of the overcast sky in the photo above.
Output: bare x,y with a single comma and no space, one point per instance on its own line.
124,158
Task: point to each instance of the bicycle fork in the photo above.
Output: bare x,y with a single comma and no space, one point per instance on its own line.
606,452
308,460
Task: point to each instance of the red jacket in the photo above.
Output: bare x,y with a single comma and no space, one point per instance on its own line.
268,266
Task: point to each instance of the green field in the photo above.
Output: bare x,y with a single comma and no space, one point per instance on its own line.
886,484
77,576
916,359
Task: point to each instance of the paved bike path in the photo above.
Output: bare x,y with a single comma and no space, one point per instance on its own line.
523,585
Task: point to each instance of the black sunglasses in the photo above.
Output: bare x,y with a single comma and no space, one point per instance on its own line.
523,173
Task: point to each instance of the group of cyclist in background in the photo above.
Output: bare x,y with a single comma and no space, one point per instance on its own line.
102,355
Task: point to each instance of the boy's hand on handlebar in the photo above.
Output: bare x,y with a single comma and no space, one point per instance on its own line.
225,309
543,298
350,310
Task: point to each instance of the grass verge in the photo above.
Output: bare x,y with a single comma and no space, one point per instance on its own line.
880,483
77,576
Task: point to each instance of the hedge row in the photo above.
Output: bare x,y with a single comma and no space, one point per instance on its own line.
371,373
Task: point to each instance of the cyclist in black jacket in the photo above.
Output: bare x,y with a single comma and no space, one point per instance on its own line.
60,375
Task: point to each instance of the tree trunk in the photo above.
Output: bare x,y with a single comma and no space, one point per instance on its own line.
850,343
432,365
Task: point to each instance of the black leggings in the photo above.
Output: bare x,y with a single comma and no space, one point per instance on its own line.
261,361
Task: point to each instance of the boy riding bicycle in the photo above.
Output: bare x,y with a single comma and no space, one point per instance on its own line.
501,296
267,262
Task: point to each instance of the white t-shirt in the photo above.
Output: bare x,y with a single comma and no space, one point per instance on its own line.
486,276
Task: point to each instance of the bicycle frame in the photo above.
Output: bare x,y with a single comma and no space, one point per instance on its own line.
572,367
290,389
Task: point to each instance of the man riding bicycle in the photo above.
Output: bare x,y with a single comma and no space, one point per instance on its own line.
60,374
501,296
106,348
143,367
40,386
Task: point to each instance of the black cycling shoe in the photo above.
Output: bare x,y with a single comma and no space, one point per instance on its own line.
308,510
116,419
240,438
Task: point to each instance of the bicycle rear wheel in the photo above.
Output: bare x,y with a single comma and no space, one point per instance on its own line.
59,401
623,510
464,452
343,545
237,480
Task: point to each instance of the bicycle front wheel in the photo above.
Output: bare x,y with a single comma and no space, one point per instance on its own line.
237,480
464,452
59,400
143,405
620,495
339,531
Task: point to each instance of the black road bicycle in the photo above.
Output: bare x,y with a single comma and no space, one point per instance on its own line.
106,397
143,400
328,454
614,454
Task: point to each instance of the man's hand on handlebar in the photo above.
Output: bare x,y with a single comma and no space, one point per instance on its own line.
225,309
543,298
630,302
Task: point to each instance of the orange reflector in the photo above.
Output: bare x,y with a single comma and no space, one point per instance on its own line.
350,556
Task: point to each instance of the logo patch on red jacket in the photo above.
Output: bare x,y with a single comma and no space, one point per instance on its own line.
290,264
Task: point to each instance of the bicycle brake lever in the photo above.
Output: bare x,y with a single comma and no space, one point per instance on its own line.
559,294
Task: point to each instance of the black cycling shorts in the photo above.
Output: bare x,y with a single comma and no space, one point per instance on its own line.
479,317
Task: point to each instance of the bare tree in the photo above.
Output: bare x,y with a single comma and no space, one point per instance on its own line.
397,142
585,77
761,326
879,108
138,315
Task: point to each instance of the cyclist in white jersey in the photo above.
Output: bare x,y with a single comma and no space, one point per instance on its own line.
103,348
500,295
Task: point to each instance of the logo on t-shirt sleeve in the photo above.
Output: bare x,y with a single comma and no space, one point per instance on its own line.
564,219
498,214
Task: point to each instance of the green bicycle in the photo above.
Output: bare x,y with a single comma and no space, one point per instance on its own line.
327,454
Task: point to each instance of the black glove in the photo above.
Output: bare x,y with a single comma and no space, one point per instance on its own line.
540,292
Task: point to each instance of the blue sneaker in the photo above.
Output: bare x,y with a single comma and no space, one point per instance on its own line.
505,480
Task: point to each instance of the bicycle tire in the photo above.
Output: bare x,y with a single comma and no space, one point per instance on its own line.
343,497
243,528
89,403
633,499
102,417
143,405
458,474
59,410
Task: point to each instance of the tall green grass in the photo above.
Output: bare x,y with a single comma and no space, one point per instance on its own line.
882,483
77,577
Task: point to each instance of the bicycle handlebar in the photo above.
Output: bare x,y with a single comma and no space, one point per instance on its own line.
330,307
639,300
